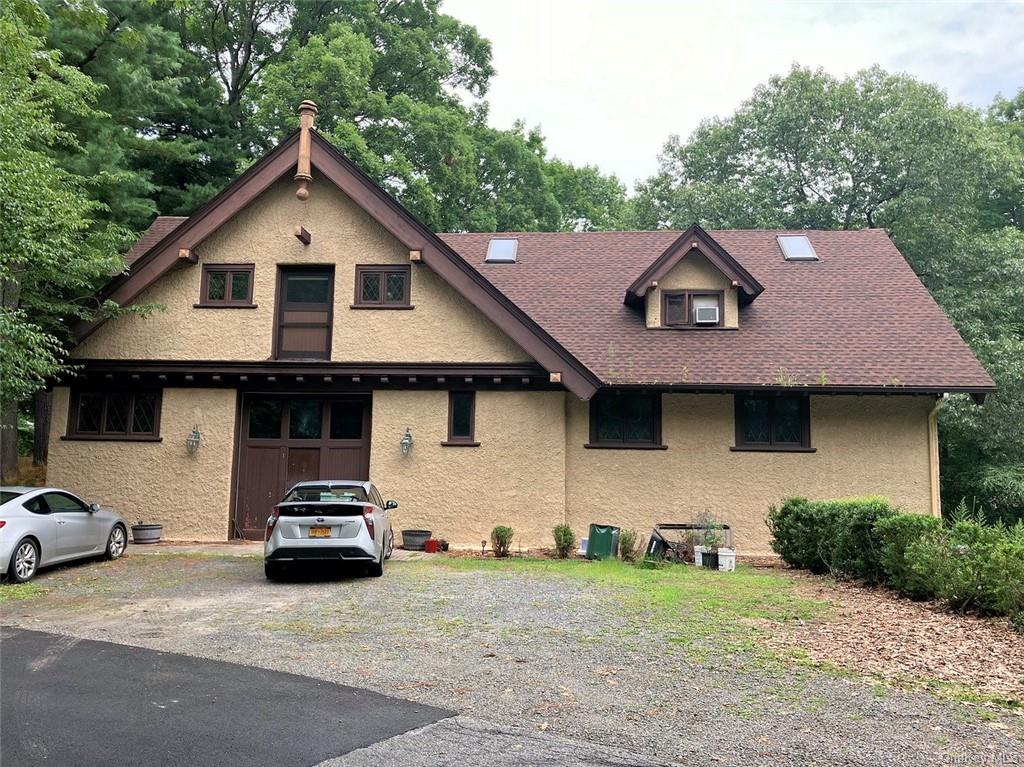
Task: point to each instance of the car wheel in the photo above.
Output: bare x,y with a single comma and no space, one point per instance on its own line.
24,562
376,569
117,542
272,570
391,544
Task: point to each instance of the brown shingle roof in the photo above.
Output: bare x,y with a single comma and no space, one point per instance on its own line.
160,228
859,317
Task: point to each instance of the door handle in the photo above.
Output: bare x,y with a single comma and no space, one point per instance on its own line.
62,522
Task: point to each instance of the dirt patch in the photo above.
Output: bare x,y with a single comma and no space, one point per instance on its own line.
875,631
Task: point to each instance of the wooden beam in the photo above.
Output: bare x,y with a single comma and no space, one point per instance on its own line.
415,255
187,254
555,378
303,235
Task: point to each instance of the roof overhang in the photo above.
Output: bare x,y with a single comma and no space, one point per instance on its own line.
695,239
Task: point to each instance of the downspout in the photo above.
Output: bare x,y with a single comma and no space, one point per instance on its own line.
933,456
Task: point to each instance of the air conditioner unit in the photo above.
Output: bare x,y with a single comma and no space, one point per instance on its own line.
705,315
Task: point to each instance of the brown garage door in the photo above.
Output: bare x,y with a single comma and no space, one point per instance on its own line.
289,438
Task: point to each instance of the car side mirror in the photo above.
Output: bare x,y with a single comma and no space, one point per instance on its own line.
93,508
391,505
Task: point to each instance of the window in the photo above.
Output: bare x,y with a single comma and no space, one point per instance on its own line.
680,308
226,285
773,423
304,312
625,420
461,418
382,287
132,415
797,247
60,503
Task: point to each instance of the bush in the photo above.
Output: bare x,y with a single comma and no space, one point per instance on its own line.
958,564
629,545
501,540
1008,560
855,550
565,541
795,529
895,535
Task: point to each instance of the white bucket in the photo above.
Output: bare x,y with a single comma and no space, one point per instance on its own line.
726,560
698,555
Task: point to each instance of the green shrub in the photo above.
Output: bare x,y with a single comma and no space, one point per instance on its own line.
958,565
629,545
795,529
1008,561
501,540
565,541
895,535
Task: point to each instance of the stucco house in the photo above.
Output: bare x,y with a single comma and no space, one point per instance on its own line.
313,328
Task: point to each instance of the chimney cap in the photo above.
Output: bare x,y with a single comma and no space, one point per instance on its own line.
308,106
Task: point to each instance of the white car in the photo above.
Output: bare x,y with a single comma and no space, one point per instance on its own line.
42,526
329,521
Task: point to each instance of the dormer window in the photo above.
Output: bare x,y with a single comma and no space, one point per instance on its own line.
692,309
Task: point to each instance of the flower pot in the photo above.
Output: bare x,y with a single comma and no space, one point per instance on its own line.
415,540
709,560
147,533
727,560
698,555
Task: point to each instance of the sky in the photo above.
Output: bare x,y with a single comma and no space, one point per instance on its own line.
609,80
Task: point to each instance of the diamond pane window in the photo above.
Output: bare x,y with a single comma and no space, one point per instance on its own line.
227,285
757,425
215,286
395,292
240,286
371,287
144,413
115,414
382,287
625,419
90,412
773,422
115,418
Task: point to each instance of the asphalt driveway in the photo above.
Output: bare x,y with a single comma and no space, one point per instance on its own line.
70,701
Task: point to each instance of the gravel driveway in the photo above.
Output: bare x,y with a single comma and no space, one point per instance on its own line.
566,656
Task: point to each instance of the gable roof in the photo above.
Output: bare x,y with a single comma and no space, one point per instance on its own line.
858,320
164,254
160,228
694,239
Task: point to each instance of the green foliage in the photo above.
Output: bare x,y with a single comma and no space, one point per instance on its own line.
629,545
501,540
958,564
895,534
565,541
796,528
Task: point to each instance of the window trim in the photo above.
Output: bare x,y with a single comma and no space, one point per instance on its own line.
655,444
688,296
72,433
227,302
771,446
279,308
461,440
384,270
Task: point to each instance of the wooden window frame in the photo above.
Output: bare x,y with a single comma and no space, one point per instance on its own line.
654,444
280,307
72,432
688,296
461,440
772,446
227,302
384,270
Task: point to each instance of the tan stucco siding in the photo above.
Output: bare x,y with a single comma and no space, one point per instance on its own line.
443,327
515,477
865,445
156,481
693,273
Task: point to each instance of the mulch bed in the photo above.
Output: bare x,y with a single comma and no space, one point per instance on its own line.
876,631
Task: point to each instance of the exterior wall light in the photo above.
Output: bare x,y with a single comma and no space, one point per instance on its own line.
406,442
192,440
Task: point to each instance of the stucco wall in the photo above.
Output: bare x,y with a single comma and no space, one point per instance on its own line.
443,327
515,477
694,272
865,445
156,481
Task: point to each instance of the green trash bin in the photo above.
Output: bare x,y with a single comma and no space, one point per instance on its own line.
603,542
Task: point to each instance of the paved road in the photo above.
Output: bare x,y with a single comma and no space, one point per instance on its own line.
70,702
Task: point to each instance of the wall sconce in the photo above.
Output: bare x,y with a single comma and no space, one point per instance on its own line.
406,442
192,440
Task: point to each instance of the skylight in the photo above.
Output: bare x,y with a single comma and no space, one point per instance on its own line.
797,247
502,251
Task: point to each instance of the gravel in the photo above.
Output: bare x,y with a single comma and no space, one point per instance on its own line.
545,654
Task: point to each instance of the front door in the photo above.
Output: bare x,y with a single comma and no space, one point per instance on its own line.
288,438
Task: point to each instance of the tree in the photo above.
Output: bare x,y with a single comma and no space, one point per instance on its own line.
52,253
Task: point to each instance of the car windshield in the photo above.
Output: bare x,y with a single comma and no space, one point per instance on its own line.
326,494
7,495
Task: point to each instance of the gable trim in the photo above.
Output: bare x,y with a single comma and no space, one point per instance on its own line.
694,238
387,211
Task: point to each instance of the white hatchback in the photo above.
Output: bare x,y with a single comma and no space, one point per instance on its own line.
329,521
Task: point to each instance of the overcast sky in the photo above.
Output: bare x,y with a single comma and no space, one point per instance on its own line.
609,80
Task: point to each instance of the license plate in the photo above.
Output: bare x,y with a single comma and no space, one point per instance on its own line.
319,532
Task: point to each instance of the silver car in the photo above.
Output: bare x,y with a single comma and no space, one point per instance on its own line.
329,521
42,526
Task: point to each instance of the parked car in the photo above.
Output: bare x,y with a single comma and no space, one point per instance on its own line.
42,526
329,521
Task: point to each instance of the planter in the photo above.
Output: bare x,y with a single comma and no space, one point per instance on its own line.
698,555
415,540
709,560
147,533
727,560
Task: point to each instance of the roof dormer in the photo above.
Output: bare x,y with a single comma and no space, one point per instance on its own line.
694,284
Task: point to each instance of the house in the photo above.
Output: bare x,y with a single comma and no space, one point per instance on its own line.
313,328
